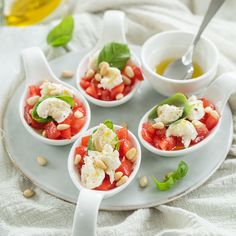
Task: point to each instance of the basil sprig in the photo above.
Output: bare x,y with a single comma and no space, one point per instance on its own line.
178,100
116,54
172,177
39,119
61,34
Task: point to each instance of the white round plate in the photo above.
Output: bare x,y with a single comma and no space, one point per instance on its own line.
54,179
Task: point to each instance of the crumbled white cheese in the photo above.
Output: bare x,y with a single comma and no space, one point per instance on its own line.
197,111
58,109
168,113
91,177
184,129
93,61
112,79
110,157
54,89
103,135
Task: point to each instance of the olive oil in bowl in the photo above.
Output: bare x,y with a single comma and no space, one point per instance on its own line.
161,67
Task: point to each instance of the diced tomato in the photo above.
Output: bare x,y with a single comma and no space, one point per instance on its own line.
66,134
34,90
92,91
125,145
127,89
105,95
137,73
126,166
146,136
206,103
81,150
202,131
116,90
161,132
178,143
51,130
30,121
149,128
84,83
78,103
167,143
94,82
122,133
77,124
106,184
85,140
68,120
210,122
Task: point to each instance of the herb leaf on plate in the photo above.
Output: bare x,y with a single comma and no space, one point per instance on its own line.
172,177
116,54
61,34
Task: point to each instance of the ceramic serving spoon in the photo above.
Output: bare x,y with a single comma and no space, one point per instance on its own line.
37,69
218,94
113,30
85,217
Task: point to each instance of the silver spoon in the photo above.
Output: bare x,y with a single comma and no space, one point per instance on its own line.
182,68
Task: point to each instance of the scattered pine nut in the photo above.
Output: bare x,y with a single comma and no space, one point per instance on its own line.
32,100
54,92
44,133
78,114
31,111
98,77
215,114
77,159
143,181
103,64
122,180
41,161
119,96
63,126
131,154
197,123
118,175
101,164
28,193
67,74
208,109
129,71
126,80
158,125
90,73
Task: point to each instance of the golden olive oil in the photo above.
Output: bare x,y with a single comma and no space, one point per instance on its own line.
160,68
29,12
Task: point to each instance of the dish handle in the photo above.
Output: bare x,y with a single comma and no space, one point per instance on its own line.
113,28
85,217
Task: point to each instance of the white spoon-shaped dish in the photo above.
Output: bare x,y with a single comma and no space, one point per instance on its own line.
218,94
113,30
37,70
85,216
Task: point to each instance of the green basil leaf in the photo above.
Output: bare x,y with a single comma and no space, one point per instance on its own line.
178,100
116,54
61,34
68,99
181,171
164,185
109,124
90,145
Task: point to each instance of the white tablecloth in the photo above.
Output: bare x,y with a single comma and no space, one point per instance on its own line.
209,210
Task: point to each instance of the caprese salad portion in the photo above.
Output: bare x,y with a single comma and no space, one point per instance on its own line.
106,158
54,111
179,122
111,73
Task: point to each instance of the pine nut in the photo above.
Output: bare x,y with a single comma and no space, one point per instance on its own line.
28,193
44,133
208,109
122,180
104,68
67,74
98,77
32,100
215,114
63,126
90,73
126,80
78,114
119,96
131,153
143,181
31,111
77,159
54,92
158,125
118,175
103,64
41,161
129,71
100,164
197,123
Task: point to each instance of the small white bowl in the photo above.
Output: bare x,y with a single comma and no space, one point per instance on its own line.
173,44
89,200
37,70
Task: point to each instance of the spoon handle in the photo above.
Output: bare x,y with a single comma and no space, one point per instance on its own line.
211,11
